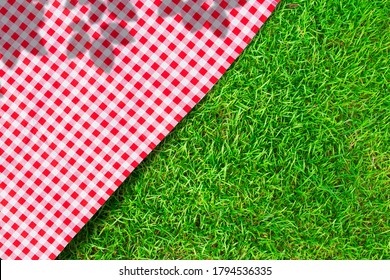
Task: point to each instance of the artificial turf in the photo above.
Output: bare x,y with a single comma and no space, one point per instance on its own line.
286,158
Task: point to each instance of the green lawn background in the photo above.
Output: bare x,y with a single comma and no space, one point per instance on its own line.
286,158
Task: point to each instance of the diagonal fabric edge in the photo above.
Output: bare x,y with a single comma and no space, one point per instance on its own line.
53,176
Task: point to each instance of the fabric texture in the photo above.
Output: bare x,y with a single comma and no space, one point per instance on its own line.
88,89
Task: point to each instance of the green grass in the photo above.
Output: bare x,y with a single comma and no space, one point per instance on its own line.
288,157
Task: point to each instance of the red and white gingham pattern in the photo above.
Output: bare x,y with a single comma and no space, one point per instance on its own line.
71,132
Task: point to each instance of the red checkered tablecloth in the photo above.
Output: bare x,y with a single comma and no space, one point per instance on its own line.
88,89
